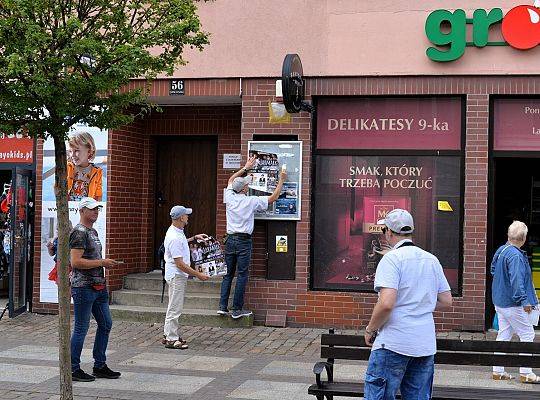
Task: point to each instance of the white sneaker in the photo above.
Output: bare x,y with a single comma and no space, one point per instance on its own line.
530,378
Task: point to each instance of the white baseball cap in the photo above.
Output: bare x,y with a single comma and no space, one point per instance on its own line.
178,211
239,183
88,202
398,221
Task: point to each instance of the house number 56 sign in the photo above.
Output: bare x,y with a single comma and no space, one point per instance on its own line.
176,87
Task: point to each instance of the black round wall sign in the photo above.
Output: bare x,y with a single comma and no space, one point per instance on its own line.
292,81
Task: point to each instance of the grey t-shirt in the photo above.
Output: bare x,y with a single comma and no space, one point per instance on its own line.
86,239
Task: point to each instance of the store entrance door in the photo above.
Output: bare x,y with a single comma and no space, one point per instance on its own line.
186,175
516,197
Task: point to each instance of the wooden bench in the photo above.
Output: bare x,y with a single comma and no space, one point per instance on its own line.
449,352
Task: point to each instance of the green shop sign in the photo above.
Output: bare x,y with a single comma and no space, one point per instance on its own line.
520,29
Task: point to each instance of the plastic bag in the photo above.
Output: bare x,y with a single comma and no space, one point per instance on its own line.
278,114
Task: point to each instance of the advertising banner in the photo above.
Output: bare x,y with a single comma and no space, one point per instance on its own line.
271,156
16,148
516,124
389,123
208,257
87,177
354,192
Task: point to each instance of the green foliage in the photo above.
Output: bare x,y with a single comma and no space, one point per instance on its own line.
47,83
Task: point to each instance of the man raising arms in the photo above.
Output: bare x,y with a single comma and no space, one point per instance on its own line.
240,222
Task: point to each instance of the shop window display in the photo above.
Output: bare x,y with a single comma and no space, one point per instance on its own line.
5,236
353,192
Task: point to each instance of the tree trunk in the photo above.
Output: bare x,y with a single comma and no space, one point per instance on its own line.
64,292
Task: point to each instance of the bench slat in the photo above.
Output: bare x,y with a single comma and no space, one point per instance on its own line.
487,359
488,346
342,340
353,389
443,344
345,353
479,359
349,389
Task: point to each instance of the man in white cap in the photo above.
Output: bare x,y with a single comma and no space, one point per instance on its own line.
89,292
177,270
240,222
411,286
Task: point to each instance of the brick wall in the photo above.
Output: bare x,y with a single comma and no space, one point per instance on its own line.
132,161
235,127
354,309
131,145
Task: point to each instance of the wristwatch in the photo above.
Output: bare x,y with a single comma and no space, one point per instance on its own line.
370,332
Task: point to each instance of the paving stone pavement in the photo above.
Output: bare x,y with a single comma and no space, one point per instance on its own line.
258,363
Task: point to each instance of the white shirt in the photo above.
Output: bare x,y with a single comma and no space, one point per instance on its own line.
176,246
418,277
241,210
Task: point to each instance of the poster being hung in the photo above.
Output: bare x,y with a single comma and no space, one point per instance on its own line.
87,177
265,173
208,257
270,158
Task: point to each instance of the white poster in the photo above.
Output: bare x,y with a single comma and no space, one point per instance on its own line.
87,176
271,157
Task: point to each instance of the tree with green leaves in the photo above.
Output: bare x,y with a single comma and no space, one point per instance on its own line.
64,62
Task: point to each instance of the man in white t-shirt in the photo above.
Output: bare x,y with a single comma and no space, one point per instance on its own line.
177,269
240,222
411,286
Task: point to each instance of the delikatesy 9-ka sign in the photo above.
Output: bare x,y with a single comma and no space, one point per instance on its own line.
420,123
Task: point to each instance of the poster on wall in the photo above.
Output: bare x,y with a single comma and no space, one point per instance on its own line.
354,192
87,176
270,158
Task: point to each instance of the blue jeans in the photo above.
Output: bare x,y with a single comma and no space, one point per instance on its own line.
388,371
237,257
86,302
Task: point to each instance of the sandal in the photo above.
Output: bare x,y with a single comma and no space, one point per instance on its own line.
503,376
530,378
176,344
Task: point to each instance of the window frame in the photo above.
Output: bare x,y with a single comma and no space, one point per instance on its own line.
315,152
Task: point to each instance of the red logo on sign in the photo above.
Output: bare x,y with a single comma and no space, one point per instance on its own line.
521,26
